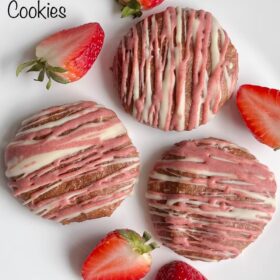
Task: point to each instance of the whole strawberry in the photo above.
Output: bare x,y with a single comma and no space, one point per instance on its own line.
121,255
66,56
179,271
134,7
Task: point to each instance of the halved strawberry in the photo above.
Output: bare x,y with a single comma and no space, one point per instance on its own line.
260,109
121,255
66,56
179,270
134,7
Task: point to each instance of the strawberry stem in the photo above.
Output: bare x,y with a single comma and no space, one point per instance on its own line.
139,243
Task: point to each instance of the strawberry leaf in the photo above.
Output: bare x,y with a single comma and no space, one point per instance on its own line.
49,84
41,76
36,68
133,8
147,236
154,245
57,69
58,78
24,65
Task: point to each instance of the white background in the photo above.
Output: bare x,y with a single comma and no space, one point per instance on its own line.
32,248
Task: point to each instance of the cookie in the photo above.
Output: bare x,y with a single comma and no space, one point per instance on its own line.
72,163
209,199
176,69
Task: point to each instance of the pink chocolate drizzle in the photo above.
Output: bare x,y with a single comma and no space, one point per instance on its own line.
234,200
87,140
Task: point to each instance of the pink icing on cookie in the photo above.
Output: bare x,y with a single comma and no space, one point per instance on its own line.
46,154
235,199
162,100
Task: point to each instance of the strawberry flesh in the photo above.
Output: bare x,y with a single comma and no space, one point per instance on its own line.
260,109
179,270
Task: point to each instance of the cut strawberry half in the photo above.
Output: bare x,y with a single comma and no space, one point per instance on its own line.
66,56
260,109
121,255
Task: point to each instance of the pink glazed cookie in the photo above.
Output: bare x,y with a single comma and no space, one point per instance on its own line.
209,199
176,69
72,163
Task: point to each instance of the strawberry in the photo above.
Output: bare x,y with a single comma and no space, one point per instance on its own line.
66,56
179,270
134,7
121,255
260,109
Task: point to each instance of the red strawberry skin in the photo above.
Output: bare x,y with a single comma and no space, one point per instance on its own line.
74,49
179,271
121,255
149,4
260,109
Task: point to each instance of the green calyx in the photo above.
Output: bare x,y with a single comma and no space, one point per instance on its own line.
44,69
131,8
140,244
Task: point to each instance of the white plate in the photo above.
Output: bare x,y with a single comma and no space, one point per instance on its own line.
32,248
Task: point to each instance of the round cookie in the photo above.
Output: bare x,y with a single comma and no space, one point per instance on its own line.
209,199
175,70
72,163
